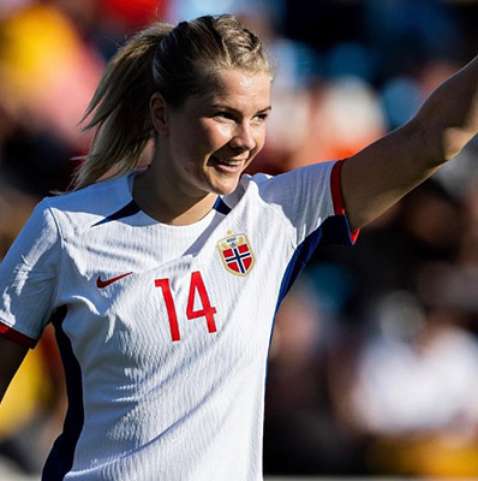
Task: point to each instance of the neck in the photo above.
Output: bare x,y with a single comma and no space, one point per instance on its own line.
162,198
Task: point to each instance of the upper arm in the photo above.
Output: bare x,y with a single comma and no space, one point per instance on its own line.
28,278
11,356
381,174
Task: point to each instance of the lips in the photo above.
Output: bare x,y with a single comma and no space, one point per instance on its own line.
227,165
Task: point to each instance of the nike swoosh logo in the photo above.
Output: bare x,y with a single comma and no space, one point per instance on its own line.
100,283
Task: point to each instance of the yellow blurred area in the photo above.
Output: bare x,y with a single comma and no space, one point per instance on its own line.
37,41
47,73
28,393
438,456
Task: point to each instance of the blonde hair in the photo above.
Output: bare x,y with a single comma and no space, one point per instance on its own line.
175,61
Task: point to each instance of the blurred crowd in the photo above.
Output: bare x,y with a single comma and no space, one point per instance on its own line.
374,351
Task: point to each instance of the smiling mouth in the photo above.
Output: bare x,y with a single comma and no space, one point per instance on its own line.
229,166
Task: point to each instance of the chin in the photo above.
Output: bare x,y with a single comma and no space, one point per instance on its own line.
225,187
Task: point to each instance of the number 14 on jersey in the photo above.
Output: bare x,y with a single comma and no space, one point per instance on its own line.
196,288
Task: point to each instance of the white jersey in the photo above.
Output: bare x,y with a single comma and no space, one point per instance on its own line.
164,330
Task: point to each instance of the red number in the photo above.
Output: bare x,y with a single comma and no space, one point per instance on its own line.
207,311
168,299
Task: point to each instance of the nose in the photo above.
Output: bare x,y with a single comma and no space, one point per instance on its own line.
243,138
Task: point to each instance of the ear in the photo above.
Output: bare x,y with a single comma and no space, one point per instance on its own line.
159,114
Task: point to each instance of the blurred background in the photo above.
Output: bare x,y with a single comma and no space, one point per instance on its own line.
375,350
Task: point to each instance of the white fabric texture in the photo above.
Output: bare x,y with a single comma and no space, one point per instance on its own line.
157,408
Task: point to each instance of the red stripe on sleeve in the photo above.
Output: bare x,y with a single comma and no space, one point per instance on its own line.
337,196
354,235
16,336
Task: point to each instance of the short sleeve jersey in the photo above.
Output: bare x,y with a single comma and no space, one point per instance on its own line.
164,330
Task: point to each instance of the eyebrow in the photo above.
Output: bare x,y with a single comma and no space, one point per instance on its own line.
232,109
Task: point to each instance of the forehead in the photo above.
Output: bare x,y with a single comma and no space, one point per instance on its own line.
239,90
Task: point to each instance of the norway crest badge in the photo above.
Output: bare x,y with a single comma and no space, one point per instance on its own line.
236,254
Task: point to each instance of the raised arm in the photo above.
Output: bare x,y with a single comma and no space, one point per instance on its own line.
11,356
381,174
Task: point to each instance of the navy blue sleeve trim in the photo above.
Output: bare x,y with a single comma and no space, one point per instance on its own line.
221,206
133,208
126,211
333,231
60,460
301,256
336,231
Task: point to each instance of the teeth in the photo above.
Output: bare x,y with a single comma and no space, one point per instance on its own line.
226,162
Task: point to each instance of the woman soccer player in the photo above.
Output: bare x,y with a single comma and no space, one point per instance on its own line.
163,284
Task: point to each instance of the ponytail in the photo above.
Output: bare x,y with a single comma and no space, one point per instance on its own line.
119,109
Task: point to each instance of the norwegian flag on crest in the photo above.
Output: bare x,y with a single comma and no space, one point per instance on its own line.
236,254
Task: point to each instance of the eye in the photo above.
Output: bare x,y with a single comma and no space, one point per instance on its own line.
224,114
262,117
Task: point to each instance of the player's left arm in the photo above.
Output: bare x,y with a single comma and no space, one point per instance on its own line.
381,174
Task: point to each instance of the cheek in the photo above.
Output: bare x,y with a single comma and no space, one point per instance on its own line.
214,135
191,146
260,139
223,132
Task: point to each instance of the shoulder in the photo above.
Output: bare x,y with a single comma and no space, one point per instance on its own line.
87,198
269,187
73,210
261,180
